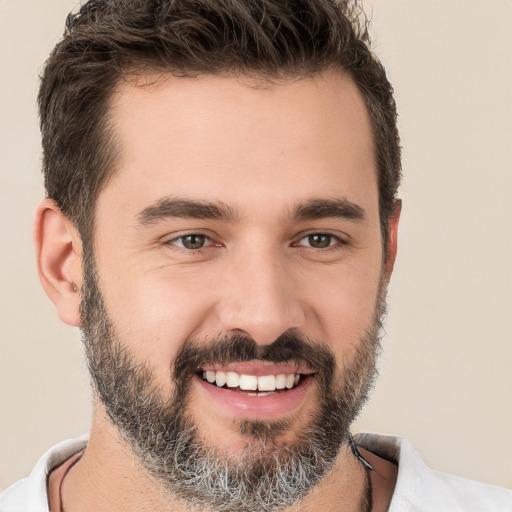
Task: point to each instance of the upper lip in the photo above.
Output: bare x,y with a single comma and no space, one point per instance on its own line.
259,368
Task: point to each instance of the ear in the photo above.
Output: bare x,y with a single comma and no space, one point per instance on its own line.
392,242
59,260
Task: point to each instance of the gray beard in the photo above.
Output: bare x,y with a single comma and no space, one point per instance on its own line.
268,475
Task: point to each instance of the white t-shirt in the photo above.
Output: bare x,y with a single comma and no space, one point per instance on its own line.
418,488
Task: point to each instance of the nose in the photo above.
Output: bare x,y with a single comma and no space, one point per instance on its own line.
261,298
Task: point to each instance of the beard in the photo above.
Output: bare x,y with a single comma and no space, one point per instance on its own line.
268,475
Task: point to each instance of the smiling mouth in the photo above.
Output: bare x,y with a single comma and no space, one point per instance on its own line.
253,385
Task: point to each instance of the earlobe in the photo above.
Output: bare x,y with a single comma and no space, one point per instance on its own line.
392,242
59,260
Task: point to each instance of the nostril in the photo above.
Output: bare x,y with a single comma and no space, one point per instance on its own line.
261,312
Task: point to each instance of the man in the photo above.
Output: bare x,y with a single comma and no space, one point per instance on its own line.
221,222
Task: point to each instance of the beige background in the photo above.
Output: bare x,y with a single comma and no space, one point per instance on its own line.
446,373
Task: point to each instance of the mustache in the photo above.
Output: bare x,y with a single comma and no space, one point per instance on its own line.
291,346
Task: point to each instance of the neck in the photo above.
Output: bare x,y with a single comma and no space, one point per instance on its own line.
109,478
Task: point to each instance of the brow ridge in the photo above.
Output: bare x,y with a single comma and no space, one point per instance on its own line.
324,208
312,209
169,207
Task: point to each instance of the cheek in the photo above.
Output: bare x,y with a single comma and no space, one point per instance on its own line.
154,312
343,302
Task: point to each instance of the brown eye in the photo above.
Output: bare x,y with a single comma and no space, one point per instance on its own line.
319,240
192,241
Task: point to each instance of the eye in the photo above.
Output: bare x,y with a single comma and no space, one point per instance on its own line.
319,240
191,242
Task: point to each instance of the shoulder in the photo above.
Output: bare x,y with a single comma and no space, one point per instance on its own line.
421,489
30,494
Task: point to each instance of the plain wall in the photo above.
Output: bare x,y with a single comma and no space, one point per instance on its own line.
445,373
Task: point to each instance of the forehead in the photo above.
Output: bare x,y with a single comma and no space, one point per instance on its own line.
241,141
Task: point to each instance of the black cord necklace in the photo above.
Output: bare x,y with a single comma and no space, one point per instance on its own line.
367,499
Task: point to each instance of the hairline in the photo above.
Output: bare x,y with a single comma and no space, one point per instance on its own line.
155,76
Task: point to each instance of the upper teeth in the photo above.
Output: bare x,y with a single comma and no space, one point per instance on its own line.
252,382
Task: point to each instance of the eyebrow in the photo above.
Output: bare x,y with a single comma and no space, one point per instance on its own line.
325,208
169,207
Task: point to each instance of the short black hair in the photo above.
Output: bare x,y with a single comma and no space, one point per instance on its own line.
271,39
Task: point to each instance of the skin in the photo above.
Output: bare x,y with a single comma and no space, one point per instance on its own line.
210,139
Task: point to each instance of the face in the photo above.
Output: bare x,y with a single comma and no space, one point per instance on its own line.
237,277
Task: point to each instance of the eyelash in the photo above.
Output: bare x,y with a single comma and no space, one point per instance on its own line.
338,242
181,247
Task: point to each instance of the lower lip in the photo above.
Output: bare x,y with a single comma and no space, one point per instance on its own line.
256,407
